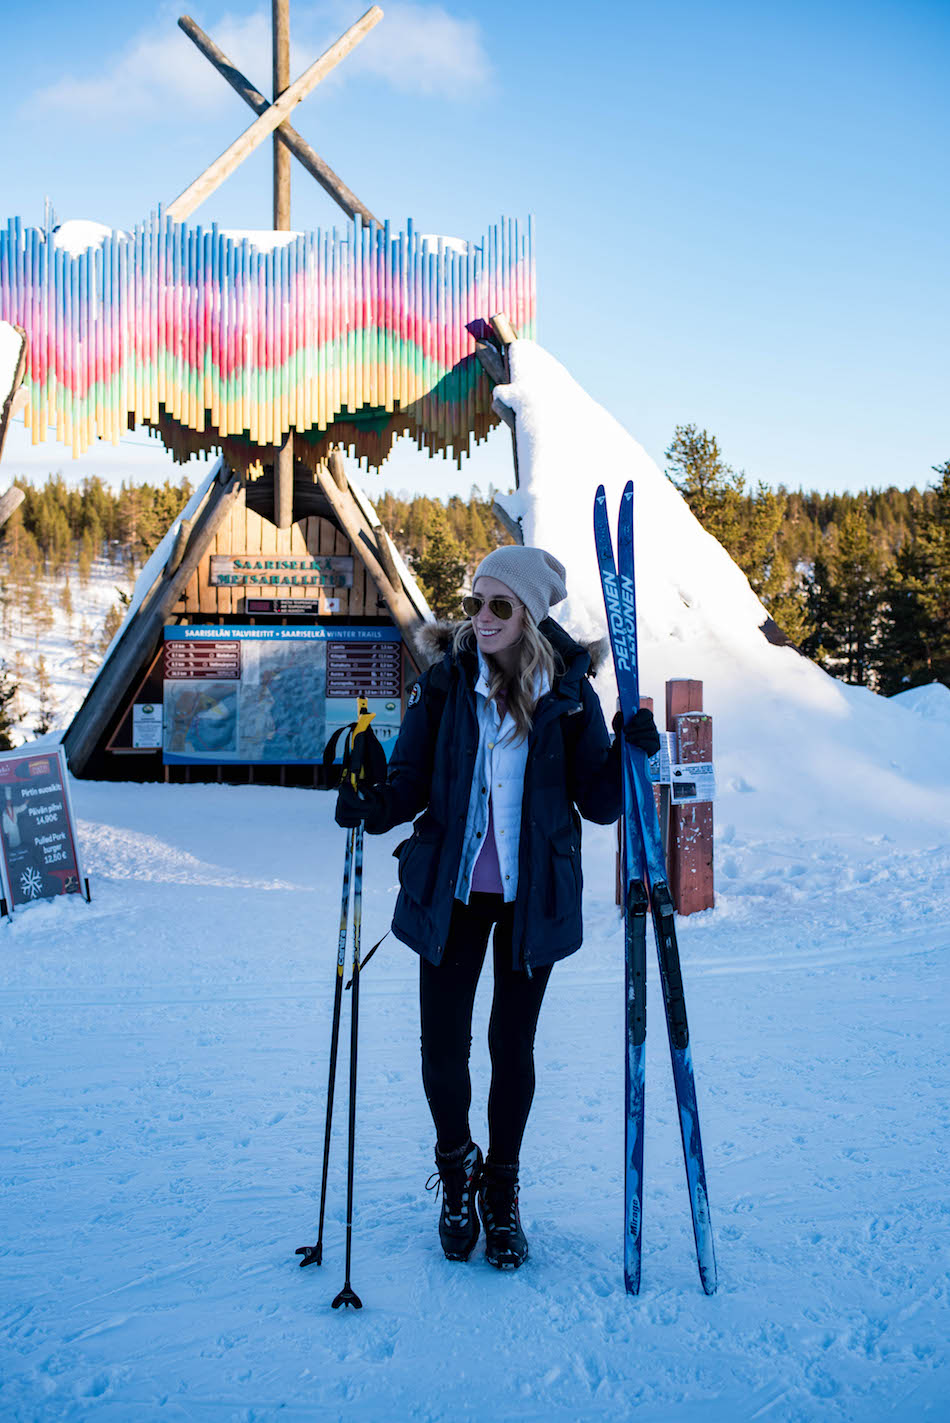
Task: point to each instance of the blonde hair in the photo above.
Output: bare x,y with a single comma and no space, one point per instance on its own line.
536,657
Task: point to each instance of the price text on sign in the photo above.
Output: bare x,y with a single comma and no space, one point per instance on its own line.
37,838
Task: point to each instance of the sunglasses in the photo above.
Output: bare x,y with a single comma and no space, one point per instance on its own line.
501,607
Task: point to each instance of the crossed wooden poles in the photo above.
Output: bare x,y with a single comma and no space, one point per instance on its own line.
272,118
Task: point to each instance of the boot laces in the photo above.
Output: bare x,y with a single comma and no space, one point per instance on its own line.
445,1181
502,1201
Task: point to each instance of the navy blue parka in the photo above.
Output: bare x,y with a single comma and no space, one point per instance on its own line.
571,767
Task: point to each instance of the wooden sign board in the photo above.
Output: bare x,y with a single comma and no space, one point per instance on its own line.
39,854
242,570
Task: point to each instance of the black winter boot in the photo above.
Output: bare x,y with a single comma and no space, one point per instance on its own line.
505,1245
458,1172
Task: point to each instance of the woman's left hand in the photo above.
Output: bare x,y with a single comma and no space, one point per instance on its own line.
639,731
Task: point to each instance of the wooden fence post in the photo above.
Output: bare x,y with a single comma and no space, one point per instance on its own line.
691,826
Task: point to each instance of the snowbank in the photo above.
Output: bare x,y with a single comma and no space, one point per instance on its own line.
11,344
792,744
932,702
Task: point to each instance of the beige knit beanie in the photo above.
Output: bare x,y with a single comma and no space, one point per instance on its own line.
536,577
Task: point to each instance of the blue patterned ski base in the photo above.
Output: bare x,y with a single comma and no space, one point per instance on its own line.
644,859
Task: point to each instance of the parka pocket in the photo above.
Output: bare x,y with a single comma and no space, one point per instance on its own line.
565,880
419,863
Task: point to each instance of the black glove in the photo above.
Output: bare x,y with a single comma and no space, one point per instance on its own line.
639,731
355,807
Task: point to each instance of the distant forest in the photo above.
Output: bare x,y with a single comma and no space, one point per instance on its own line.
859,582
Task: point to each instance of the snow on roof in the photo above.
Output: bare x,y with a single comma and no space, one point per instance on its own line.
451,244
791,739
264,239
79,234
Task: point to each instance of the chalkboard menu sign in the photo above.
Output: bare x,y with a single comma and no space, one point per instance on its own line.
38,850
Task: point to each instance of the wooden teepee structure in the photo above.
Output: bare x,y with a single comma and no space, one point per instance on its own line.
277,595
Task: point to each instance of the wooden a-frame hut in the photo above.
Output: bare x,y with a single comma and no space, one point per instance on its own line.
246,644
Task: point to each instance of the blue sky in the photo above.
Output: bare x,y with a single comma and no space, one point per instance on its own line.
742,210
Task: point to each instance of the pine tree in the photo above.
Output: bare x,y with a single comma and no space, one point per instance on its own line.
111,625
787,600
915,642
85,647
747,525
88,549
845,599
66,602
858,574
8,693
711,487
20,684
935,598
441,569
46,711
44,619
904,658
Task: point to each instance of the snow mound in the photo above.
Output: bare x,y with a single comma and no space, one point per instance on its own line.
793,745
932,701
265,239
79,234
11,344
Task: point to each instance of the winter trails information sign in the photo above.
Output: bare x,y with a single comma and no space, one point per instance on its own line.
38,850
252,695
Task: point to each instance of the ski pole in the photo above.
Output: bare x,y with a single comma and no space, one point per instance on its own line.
313,1254
348,1295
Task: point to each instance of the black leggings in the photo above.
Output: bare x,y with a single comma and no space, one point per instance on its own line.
446,998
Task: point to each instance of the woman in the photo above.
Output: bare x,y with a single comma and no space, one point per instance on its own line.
502,744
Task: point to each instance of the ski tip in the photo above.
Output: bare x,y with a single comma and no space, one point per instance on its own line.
600,496
628,489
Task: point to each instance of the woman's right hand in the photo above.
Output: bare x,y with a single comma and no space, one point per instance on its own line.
354,807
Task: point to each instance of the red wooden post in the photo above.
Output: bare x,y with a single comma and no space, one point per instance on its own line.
691,826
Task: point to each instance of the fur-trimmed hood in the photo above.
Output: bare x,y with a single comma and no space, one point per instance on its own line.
433,640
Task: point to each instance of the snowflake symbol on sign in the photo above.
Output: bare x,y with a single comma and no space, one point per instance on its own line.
31,883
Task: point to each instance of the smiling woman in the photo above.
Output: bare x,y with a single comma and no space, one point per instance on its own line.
502,750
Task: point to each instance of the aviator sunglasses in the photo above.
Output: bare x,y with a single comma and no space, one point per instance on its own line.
501,607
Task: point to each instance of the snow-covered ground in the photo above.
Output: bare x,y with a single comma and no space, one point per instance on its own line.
163,1062
163,1059
71,647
